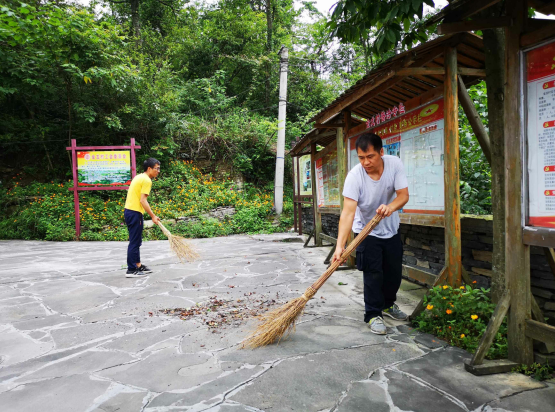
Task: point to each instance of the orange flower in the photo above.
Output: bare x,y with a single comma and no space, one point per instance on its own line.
430,307
448,311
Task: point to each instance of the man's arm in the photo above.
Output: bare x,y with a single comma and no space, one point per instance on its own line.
397,204
345,225
146,206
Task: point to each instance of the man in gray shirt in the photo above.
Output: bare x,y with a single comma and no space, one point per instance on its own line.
378,185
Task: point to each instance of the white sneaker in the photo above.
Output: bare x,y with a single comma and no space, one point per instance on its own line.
377,326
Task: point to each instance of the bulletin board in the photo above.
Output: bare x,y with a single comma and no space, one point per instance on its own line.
327,178
540,135
302,176
417,138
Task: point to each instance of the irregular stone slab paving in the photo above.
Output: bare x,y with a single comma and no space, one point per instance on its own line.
76,335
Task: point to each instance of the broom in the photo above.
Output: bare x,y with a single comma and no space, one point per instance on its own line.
280,322
178,245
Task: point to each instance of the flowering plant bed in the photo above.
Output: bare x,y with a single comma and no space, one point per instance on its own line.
460,317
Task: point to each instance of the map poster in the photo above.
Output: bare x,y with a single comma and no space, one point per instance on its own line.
96,168
540,79
304,178
417,138
320,182
327,180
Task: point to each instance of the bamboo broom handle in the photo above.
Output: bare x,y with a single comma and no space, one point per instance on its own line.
165,231
352,246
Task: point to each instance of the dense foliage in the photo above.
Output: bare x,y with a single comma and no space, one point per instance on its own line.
45,210
475,171
460,316
189,81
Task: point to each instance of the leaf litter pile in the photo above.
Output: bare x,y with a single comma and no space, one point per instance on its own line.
220,313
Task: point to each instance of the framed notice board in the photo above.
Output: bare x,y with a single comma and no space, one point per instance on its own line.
539,82
327,178
417,138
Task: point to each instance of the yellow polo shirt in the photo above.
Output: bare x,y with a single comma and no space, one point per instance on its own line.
139,185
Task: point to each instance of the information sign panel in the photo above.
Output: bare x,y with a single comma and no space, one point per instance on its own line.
417,138
97,168
327,180
304,178
540,80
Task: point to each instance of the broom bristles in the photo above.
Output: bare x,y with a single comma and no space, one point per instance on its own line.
279,323
178,245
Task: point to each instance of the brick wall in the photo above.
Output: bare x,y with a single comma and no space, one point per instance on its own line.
424,248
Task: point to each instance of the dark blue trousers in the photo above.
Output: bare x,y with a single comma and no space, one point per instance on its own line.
381,261
134,222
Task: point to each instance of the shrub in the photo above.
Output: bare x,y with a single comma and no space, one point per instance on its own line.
45,210
460,316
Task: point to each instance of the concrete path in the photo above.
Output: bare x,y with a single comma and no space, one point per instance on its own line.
76,335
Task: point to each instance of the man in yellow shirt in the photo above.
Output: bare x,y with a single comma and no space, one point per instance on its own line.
135,206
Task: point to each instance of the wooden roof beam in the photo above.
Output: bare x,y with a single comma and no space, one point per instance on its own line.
468,9
473,25
434,71
371,85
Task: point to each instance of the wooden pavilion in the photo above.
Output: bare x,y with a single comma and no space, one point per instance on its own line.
445,67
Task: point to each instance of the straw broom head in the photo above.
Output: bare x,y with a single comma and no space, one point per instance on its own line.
178,245
280,322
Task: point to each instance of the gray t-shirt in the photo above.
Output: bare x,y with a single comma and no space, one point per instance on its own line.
370,194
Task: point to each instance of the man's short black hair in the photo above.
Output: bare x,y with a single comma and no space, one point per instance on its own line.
150,162
369,139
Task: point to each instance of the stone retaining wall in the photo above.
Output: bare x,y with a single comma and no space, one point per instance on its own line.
424,248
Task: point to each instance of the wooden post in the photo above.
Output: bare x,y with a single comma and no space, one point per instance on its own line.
517,254
452,193
75,187
295,190
317,216
347,120
341,169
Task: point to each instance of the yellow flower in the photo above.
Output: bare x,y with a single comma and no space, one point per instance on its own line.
448,311
474,317
445,287
444,297
430,307
462,287
462,336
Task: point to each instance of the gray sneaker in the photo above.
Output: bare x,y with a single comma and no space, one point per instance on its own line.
377,326
395,313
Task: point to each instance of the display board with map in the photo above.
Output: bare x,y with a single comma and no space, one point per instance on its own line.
540,80
417,138
327,180
302,176
96,168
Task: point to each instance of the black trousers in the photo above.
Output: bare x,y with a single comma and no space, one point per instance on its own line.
381,261
134,222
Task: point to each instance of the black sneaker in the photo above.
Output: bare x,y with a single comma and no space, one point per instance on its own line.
135,273
144,269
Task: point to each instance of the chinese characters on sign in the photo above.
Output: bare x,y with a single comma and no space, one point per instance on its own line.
385,115
540,65
104,168
417,138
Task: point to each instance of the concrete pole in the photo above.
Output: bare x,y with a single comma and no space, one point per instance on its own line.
278,190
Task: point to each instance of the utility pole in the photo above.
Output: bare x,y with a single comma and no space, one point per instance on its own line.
278,187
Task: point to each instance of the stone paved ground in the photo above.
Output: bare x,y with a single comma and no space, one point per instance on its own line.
76,335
